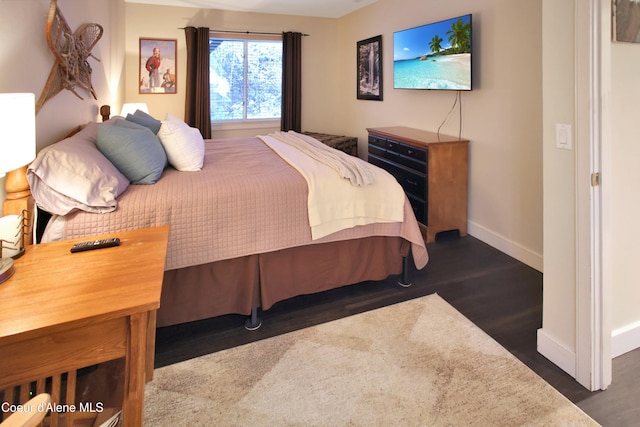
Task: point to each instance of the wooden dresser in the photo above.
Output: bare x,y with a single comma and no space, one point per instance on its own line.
432,169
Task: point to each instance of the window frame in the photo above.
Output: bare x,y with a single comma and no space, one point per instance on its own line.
240,124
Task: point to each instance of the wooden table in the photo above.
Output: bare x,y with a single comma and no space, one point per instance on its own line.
63,311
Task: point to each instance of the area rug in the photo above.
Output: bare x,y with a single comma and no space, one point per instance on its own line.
416,363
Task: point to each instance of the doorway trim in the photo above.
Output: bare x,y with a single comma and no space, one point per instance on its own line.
593,332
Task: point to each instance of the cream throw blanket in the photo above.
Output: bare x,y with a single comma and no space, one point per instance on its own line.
344,191
352,168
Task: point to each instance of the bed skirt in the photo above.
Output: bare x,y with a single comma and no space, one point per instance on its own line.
238,285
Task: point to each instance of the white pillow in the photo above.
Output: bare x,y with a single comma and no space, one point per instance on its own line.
73,174
183,144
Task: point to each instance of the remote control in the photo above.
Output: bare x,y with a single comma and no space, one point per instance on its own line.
95,244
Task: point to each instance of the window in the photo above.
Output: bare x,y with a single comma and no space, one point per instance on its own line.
245,78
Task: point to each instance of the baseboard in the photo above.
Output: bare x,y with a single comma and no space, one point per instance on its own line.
557,353
625,339
509,247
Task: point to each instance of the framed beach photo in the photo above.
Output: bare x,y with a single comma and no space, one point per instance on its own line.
369,73
158,60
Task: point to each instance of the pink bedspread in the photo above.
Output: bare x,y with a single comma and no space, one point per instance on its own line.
246,200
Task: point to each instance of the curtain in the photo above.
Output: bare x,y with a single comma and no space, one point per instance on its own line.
197,110
291,118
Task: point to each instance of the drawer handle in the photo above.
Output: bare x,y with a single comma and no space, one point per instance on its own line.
409,151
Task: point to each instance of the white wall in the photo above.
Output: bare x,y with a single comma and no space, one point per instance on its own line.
559,297
625,204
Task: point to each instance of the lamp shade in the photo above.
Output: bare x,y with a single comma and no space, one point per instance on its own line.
131,108
18,135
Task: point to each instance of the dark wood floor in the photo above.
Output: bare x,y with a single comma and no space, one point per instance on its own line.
498,293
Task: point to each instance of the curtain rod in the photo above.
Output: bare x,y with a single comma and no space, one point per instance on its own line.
245,32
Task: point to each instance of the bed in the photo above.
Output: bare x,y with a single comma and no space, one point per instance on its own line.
242,235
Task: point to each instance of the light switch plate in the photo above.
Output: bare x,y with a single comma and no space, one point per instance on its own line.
563,136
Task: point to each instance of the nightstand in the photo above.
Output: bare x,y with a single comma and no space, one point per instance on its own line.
63,311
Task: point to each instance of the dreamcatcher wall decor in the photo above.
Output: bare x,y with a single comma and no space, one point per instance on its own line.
72,51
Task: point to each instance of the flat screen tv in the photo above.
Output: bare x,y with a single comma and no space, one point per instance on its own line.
434,56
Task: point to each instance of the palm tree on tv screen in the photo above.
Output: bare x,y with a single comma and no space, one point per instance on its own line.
460,36
435,44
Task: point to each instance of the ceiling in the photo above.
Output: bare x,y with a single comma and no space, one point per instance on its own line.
317,8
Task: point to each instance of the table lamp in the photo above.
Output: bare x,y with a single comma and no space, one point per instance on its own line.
17,147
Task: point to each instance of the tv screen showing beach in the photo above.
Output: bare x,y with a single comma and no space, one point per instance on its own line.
434,56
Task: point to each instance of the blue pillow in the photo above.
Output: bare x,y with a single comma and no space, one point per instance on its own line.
144,119
134,150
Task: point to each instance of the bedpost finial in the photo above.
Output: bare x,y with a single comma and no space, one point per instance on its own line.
105,112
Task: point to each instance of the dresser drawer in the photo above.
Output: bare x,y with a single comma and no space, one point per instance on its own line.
391,146
406,155
414,153
399,148
412,182
419,207
409,162
376,150
378,142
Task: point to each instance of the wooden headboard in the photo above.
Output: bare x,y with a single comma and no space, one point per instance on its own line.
19,199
